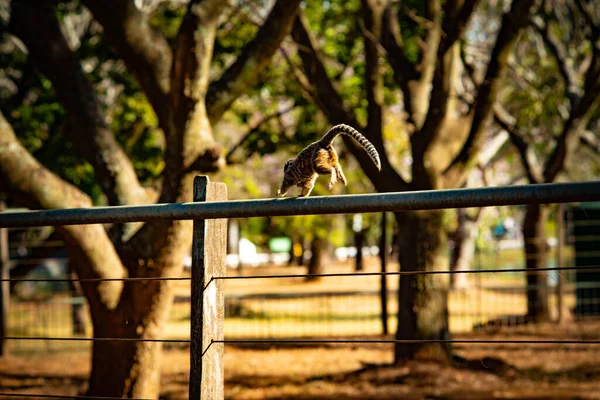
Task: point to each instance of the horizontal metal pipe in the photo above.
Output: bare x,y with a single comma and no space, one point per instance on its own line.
363,203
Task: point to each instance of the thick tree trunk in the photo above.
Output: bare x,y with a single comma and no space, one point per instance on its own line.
130,368
315,265
464,248
536,256
423,299
77,309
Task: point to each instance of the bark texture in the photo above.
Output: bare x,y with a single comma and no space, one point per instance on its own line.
422,299
316,263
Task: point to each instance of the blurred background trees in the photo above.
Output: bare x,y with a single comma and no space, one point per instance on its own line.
123,103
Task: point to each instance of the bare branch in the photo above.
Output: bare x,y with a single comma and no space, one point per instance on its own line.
443,87
329,101
560,54
87,126
193,53
325,94
428,62
254,58
593,25
591,141
145,51
512,23
298,74
530,164
455,22
190,134
372,13
256,128
570,136
404,70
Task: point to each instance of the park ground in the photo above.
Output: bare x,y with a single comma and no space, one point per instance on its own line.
344,371
481,371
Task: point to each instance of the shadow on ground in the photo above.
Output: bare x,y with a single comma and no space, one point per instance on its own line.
485,378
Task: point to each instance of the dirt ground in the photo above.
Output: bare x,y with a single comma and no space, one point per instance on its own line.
480,371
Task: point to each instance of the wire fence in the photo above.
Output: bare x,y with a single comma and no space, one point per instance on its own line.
48,324
271,307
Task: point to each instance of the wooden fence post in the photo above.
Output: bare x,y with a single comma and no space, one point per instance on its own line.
208,261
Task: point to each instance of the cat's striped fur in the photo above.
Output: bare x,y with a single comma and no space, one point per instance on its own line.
320,158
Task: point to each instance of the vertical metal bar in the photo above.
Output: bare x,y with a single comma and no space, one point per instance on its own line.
4,285
560,244
383,257
207,300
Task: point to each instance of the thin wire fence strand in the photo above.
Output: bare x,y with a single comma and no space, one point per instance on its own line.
92,339
54,396
374,273
181,278
324,275
405,341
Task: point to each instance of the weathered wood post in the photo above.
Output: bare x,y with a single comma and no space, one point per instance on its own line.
208,261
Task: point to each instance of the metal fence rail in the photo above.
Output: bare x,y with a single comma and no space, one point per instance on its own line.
208,266
419,200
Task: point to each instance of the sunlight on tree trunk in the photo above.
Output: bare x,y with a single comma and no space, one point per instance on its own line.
464,247
536,256
422,299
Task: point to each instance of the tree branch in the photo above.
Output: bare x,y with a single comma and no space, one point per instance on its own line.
560,54
455,22
593,25
87,125
329,101
570,136
190,135
404,71
512,23
372,17
443,87
530,164
429,60
255,129
23,176
254,58
325,94
591,141
145,51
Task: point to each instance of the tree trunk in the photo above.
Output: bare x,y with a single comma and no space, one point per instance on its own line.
536,256
129,368
383,253
77,309
422,299
296,252
315,265
359,241
464,248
